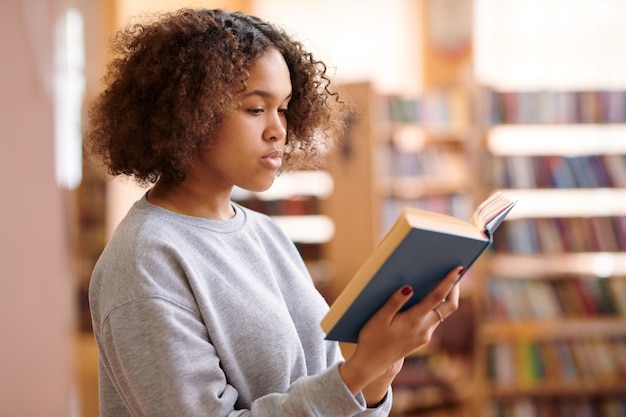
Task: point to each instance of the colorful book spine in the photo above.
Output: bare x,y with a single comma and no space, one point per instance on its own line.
554,107
555,297
532,366
562,235
554,171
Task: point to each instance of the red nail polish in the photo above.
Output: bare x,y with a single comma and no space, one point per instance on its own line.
406,290
462,271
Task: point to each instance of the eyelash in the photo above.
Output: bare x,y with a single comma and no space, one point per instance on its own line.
258,111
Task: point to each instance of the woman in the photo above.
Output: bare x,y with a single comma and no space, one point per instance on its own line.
200,306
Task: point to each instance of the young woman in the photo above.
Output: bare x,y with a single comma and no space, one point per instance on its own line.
200,306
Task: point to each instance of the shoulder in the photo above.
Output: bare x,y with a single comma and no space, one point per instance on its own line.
140,260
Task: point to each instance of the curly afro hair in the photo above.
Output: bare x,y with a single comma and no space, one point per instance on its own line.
173,79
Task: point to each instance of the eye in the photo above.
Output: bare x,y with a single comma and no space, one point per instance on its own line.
255,110
283,110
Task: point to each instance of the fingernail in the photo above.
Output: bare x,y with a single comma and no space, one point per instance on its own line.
406,290
461,271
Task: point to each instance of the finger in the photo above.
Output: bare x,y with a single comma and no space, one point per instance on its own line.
451,304
439,317
396,302
444,289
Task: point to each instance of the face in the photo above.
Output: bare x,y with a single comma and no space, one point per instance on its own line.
250,142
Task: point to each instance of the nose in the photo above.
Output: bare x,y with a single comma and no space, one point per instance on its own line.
276,130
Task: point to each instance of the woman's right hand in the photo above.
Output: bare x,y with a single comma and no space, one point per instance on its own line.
391,335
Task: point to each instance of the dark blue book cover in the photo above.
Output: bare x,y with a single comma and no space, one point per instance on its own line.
416,251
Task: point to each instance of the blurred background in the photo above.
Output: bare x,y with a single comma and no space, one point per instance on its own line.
456,98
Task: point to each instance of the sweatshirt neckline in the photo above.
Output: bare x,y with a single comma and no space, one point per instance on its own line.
220,226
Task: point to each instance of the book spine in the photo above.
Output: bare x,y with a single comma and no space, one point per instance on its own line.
554,107
560,235
553,297
533,365
552,171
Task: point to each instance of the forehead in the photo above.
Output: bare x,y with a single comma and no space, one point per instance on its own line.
269,74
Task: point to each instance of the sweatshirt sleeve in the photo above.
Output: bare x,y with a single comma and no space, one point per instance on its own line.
181,374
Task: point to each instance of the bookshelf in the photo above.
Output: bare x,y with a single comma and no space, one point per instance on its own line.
552,319
417,149
395,153
399,152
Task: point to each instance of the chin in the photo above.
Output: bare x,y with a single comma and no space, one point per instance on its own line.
259,188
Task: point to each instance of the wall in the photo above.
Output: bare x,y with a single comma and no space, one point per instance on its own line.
130,8
555,44
361,40
36,315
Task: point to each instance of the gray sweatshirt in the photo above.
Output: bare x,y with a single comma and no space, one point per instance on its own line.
195,317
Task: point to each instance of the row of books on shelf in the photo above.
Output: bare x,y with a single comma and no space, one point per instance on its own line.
446,110
434,160
457,204
567,364
562,235
555,171
296,206
555,297
554,107
599,406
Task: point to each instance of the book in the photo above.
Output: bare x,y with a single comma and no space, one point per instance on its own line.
419,249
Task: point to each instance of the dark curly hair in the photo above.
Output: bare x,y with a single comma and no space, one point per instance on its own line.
174,78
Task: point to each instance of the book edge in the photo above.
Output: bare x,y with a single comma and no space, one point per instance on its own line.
399,230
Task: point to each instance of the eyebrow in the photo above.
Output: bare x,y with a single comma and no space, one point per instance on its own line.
264,94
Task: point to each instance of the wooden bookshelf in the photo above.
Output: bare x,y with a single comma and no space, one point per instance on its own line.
552,321
413,149
388,159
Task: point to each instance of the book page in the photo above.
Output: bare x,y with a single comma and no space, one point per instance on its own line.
442,222
489,209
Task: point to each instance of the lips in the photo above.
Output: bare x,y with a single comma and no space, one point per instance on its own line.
273,159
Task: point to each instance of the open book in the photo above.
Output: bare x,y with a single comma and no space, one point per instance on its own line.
419,250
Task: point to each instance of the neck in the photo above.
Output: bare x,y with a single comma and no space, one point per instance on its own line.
192,201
